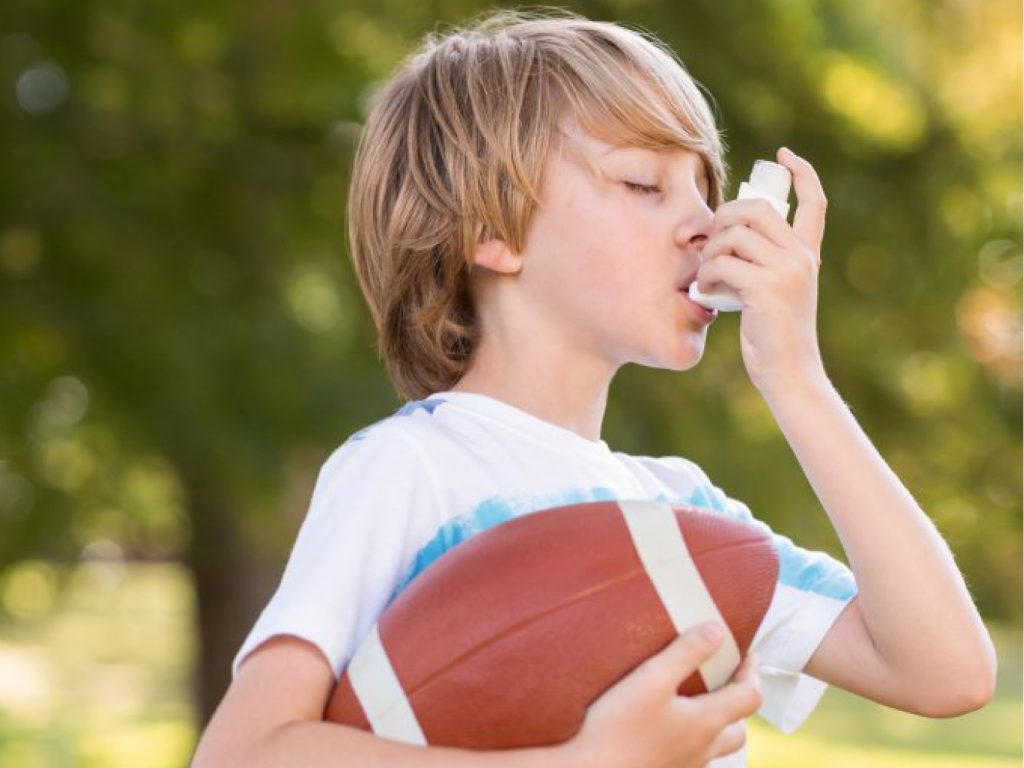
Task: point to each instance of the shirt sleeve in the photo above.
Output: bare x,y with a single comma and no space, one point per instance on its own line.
812,590
370,497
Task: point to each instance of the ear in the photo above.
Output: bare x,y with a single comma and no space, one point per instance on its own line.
497,257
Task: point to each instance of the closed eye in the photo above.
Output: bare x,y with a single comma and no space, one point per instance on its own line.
643,189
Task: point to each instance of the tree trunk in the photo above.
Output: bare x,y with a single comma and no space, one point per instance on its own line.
232,586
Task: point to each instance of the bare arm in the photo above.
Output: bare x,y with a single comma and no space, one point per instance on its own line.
912,639
309,743
271,716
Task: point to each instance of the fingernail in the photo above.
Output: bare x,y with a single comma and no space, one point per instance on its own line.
711,632
787,152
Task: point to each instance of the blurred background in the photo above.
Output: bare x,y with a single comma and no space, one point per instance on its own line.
183,341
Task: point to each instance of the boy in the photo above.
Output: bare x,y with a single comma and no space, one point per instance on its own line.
530,200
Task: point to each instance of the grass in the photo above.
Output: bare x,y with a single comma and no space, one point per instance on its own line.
97,675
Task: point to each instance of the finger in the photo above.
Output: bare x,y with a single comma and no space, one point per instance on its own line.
730,270
731,739
747,243
747,670
731,702
809,221
757,214
684,655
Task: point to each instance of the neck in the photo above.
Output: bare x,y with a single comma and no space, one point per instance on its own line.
545,382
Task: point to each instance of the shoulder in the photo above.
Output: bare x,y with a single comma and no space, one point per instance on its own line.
672,470
399,437
686,482
384,462
415,422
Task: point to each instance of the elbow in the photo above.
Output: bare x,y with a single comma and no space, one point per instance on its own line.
966,690
983,677
956,703
982,695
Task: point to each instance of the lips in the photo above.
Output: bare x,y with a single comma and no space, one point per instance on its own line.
705,314
688,281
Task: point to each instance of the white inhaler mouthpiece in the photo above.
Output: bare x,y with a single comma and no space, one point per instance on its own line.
771,182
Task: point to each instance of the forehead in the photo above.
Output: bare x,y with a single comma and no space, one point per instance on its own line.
595,148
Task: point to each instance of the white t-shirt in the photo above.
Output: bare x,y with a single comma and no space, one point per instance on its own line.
400,493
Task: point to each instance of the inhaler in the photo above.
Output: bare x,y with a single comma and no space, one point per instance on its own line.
771,182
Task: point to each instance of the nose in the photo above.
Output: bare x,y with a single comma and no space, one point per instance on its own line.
693,228
693,239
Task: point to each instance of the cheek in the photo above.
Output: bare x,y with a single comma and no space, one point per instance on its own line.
595,241
599,270
600,238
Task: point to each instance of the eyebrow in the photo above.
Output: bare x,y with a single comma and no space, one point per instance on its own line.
702,170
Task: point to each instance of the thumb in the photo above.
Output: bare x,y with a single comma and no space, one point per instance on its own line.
681,658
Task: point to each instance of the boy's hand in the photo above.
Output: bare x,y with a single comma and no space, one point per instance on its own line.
641,722
774,268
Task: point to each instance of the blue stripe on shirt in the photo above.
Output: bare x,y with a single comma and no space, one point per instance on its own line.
799,568
428,405
487,514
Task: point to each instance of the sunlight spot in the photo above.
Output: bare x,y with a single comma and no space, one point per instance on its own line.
29,589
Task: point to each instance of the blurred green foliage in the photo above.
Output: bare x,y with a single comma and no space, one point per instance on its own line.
183,340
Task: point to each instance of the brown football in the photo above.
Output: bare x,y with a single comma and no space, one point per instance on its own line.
506,640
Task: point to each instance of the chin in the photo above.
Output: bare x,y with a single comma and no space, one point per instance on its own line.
688,353
682,358
684,365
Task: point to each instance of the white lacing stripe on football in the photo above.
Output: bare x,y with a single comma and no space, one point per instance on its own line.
380,693
664,554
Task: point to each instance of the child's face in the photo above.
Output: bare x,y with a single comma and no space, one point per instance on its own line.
607,258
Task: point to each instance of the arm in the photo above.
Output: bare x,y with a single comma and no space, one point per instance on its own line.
912,638
271,716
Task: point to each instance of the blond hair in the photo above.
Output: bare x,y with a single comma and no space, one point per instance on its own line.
453,151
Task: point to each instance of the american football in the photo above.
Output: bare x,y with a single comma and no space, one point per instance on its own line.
506,639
